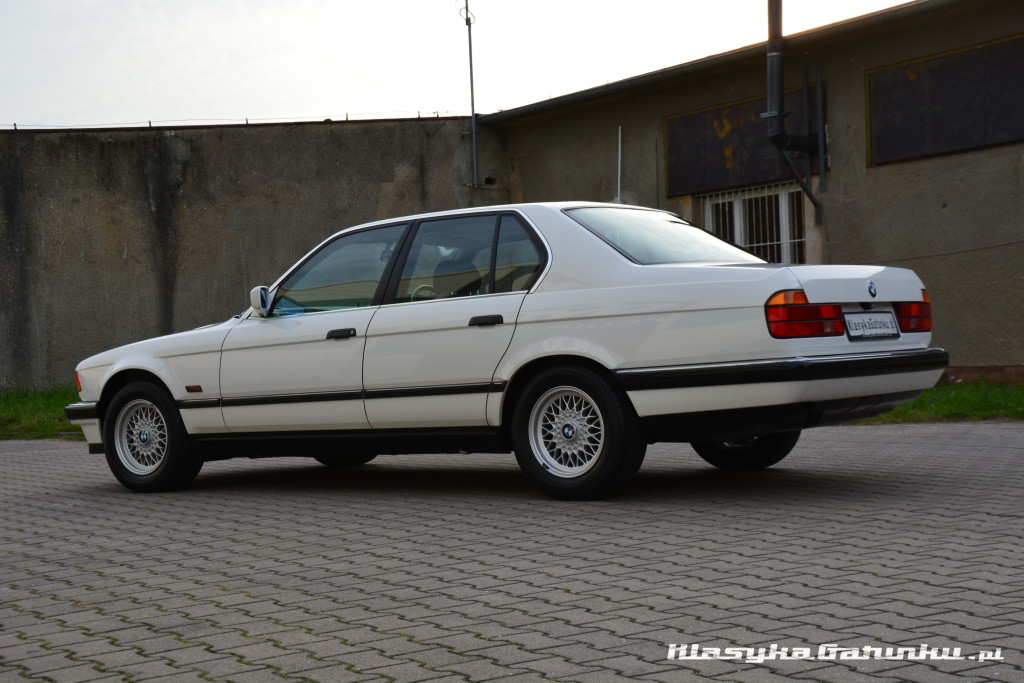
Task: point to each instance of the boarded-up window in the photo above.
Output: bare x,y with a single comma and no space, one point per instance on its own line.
728,146
964,100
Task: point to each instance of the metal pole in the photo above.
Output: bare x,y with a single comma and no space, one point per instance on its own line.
618,183
822,162
472,94
775,103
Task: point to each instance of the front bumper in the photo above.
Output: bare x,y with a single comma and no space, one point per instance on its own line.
87,416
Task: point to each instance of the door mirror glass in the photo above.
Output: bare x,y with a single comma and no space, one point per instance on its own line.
259,299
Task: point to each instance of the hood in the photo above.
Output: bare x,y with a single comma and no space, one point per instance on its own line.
200,340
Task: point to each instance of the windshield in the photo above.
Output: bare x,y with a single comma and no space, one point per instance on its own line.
651,237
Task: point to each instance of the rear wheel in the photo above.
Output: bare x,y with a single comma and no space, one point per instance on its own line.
145,441
345,459
753,454
576,436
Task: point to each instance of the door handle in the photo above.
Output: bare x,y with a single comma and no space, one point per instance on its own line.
484,320
342,334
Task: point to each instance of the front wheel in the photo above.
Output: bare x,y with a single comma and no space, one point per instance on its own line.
753,454
576,436
145,442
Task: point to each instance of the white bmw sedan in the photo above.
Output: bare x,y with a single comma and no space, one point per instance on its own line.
573,334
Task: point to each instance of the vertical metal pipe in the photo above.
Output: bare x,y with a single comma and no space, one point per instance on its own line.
774,115
822,163
472,95
618,183
805,126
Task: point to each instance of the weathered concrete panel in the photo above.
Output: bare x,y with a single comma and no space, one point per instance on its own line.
113,236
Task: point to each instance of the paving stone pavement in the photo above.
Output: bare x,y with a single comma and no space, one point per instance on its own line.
453,568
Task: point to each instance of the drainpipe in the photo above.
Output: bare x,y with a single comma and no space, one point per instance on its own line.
776,116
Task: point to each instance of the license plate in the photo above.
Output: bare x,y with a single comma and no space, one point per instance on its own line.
871,325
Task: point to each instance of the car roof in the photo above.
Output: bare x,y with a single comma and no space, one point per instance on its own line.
525,207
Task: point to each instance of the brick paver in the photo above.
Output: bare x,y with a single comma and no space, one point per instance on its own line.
453,568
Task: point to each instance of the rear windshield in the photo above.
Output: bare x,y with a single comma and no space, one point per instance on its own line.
651,237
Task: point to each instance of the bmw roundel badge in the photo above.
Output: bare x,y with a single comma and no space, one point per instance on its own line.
872,290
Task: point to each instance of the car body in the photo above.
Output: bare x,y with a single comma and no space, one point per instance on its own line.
571,333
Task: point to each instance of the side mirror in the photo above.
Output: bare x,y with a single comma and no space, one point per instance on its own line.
259,298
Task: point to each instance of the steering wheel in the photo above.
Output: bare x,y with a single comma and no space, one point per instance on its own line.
430,289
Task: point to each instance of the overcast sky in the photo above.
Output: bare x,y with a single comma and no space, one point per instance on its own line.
79,63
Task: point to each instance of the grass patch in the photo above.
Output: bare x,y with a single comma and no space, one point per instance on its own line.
960,401
37,414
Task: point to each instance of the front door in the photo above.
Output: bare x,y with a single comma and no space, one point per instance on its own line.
301,367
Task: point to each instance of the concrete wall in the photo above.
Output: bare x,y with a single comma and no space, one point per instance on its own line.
956,219
108,237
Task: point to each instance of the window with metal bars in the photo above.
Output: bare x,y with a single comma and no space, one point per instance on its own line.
767,220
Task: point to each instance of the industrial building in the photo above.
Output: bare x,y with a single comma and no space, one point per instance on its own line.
903,144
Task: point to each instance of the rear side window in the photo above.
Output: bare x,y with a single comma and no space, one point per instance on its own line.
517,259
469,256
448,258
651,237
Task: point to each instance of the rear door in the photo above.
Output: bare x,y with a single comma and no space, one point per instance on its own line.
431,353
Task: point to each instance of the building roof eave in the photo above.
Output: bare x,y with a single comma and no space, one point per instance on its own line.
883,20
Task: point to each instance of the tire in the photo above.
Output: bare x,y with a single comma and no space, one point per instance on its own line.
345,459
754,454
576,435
145,441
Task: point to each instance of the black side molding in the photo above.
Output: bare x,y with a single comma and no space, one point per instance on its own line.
349,395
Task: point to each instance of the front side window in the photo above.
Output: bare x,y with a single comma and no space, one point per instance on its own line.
343,274
651,237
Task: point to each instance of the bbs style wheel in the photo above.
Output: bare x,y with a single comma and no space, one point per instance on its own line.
753,454
145,441
575,435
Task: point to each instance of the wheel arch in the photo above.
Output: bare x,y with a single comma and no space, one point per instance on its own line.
121,379
522,377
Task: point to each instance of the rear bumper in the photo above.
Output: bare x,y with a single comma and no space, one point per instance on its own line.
741,424
725,401
798,369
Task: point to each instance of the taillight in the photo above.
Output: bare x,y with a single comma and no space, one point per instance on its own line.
914,316
789,314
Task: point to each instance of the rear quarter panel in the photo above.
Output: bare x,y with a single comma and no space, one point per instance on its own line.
597,305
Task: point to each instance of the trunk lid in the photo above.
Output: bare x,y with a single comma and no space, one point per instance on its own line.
850,284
